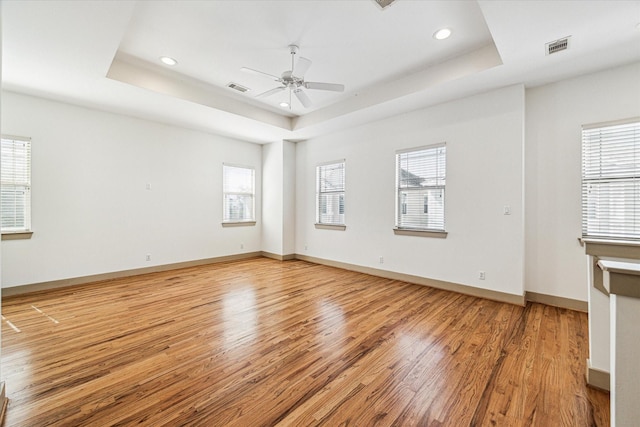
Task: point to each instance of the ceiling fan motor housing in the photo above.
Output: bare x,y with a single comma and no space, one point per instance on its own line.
295,82
291,81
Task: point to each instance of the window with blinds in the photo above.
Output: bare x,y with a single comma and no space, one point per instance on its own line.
330,179
15,184
611,180
239,193
420,185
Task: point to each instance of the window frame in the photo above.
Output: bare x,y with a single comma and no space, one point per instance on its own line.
230,222
606,180
341,225
401,195
17,233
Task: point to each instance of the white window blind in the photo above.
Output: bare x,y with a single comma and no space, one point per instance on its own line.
239,193
330,179
420,184
15,184
611,181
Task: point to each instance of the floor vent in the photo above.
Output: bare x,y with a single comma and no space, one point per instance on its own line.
238,87
383,3
557,46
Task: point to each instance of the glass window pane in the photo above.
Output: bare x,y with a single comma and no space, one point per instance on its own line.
332,210
421,180
611,181
330,191
15,186
238,188
239,207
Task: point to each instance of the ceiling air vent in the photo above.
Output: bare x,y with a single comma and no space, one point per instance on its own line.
383,3
557,46
238,87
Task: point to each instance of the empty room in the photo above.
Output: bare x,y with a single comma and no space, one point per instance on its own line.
320,213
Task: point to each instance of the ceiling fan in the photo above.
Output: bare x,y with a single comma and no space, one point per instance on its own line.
294,80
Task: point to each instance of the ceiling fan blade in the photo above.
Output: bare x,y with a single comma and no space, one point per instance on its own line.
260,73
301,67
271,92
303,98
324,86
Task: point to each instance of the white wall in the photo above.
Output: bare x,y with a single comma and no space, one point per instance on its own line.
272,197
91,212
1,281
289,198
484,136
555,262
278,195
625,346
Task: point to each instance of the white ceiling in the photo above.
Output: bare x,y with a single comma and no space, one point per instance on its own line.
104,54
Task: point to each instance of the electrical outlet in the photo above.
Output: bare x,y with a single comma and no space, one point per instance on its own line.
241,245
506,210
148,186
381,260
306,247
148,257
481,276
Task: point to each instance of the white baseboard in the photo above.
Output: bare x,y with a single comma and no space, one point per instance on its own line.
571,304
278,257
23,289
440,284
419,280
598,378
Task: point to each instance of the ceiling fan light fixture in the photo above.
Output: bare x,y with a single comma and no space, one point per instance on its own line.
167,60
293,81
442,33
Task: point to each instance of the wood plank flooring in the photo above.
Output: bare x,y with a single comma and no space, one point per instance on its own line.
268,343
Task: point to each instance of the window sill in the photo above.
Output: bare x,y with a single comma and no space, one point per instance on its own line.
238,224
603,248
340,227
420,233
629,249
623,277
18,235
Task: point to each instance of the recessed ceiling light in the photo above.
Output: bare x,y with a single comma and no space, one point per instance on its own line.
284,104
442,34
168,60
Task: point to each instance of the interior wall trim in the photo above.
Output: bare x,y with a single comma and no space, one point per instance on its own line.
419,280
278,257
598,378
562,302
54,284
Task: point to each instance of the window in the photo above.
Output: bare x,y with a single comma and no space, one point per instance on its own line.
15,185
239,193
611,180
330,193
420,184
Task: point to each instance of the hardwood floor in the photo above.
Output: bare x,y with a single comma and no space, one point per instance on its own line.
265,343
